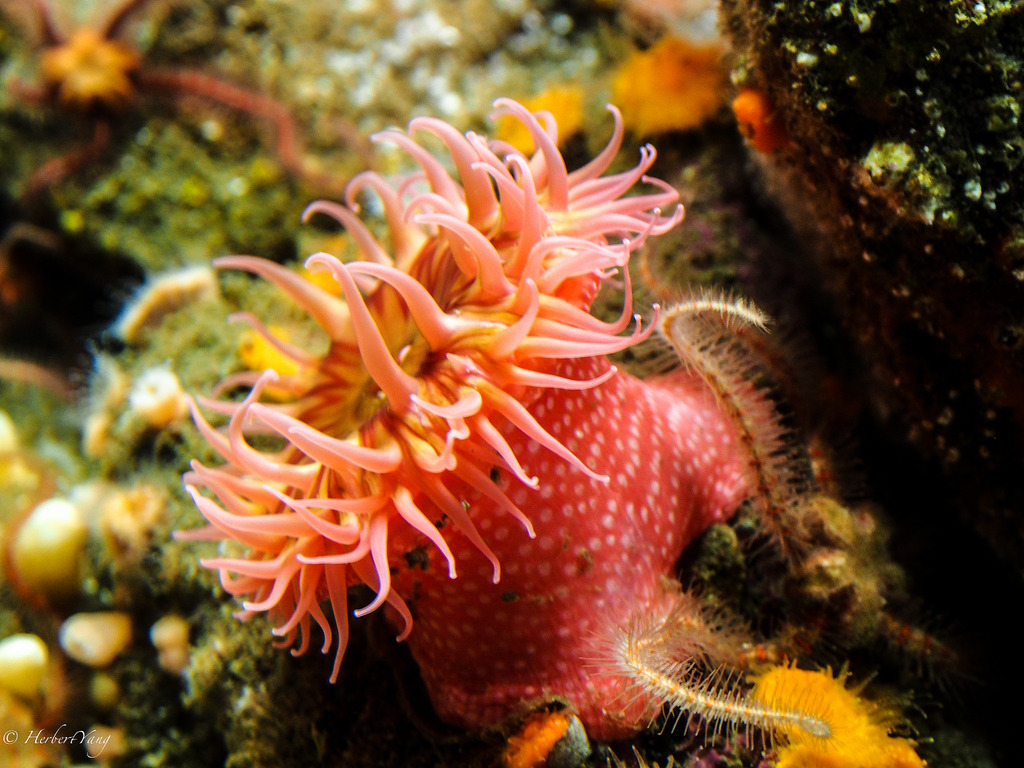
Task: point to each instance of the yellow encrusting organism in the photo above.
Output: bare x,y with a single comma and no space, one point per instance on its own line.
857,733
674,85
258,354
564,102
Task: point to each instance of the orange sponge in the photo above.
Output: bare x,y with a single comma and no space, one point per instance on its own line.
850,732
672,86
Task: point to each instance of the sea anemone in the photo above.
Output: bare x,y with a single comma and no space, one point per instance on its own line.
414,447
488,285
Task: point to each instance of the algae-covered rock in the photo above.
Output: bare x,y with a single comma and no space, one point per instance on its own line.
902,171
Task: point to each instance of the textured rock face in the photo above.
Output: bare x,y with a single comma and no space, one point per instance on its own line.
901,171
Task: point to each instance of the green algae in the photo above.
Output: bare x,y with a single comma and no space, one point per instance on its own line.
169,203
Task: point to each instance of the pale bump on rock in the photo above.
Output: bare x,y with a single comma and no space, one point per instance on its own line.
157,398
23,662
8,433
162,295
96,639
169,636
47,549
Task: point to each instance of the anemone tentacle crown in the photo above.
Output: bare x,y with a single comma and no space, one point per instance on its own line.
463,446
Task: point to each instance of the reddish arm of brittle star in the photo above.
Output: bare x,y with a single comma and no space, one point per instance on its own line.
28,93
55,169
47,27
115,23
28,372
288,146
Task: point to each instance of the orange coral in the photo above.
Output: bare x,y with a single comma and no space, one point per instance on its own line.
673,86
90,70
759,120
532,745
852,732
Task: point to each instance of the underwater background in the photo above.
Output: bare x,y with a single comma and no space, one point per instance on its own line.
852,167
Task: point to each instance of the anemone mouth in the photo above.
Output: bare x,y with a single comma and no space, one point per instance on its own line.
436,349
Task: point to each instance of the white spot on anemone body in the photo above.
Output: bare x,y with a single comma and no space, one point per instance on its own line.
440,342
